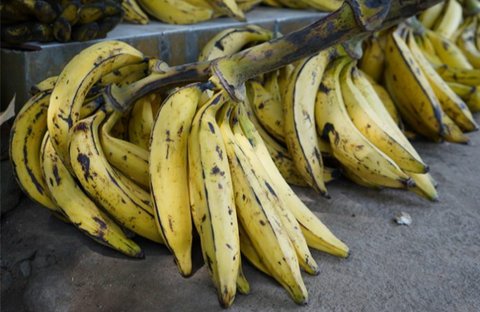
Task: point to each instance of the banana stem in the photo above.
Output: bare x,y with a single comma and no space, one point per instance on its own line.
354,18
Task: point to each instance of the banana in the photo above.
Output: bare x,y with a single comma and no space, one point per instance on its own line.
249,252
212,200
323,5
272,3
45,85
453,133
447,51
411,90
42,10
62,29
247,5
130,159
299,120
462,90
168,158
318,236
449,19
229,8
26,31
243,286
349,146
466,43
176,11
464,76
423,182
79,208
91,12
473,102
125,74
85,32
232,40
452,105
290,224
430,15
26,137
141,121
134,13
260,220
386,100
101,182
428,50
74,82
373,128
373,58
267,109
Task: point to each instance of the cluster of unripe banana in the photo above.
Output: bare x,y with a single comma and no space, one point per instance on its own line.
57,20
189,159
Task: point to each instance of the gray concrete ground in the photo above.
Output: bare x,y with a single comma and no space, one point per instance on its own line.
432,265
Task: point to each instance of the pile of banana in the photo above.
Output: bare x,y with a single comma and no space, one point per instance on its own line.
188,159
321,5
57,20
185,11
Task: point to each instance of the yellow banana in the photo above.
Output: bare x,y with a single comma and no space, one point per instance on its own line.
290,224
261,222
466,43
45,85
130,159
176,11
473,102
318,236
451,104
212,200
249,252
133,12
267,109
462,90
448,52
229,8
168,158
79,208
101,182
74,82
141,121
373,58
430,15
411,90
449,19
232,40
299,119
349,146
375,129
423,184
26,137
464,76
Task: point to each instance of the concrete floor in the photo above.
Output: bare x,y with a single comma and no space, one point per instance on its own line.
432,265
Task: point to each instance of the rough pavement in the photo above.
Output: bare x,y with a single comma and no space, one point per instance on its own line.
431,265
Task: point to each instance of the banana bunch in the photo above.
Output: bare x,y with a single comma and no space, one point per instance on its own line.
57,20
321,5
185,11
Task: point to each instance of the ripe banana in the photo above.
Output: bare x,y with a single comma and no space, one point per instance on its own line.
318,236
452,105
375,129
464,76
267,109
349,146
449,19
423,182
81,210
133,12
373,58
229,8
299,119
447,51
141,121
233,40
430,15
168,158
45,85
466,43
261,222
212,200
411,90
176,11
74,82
26,137
101,182
130,159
